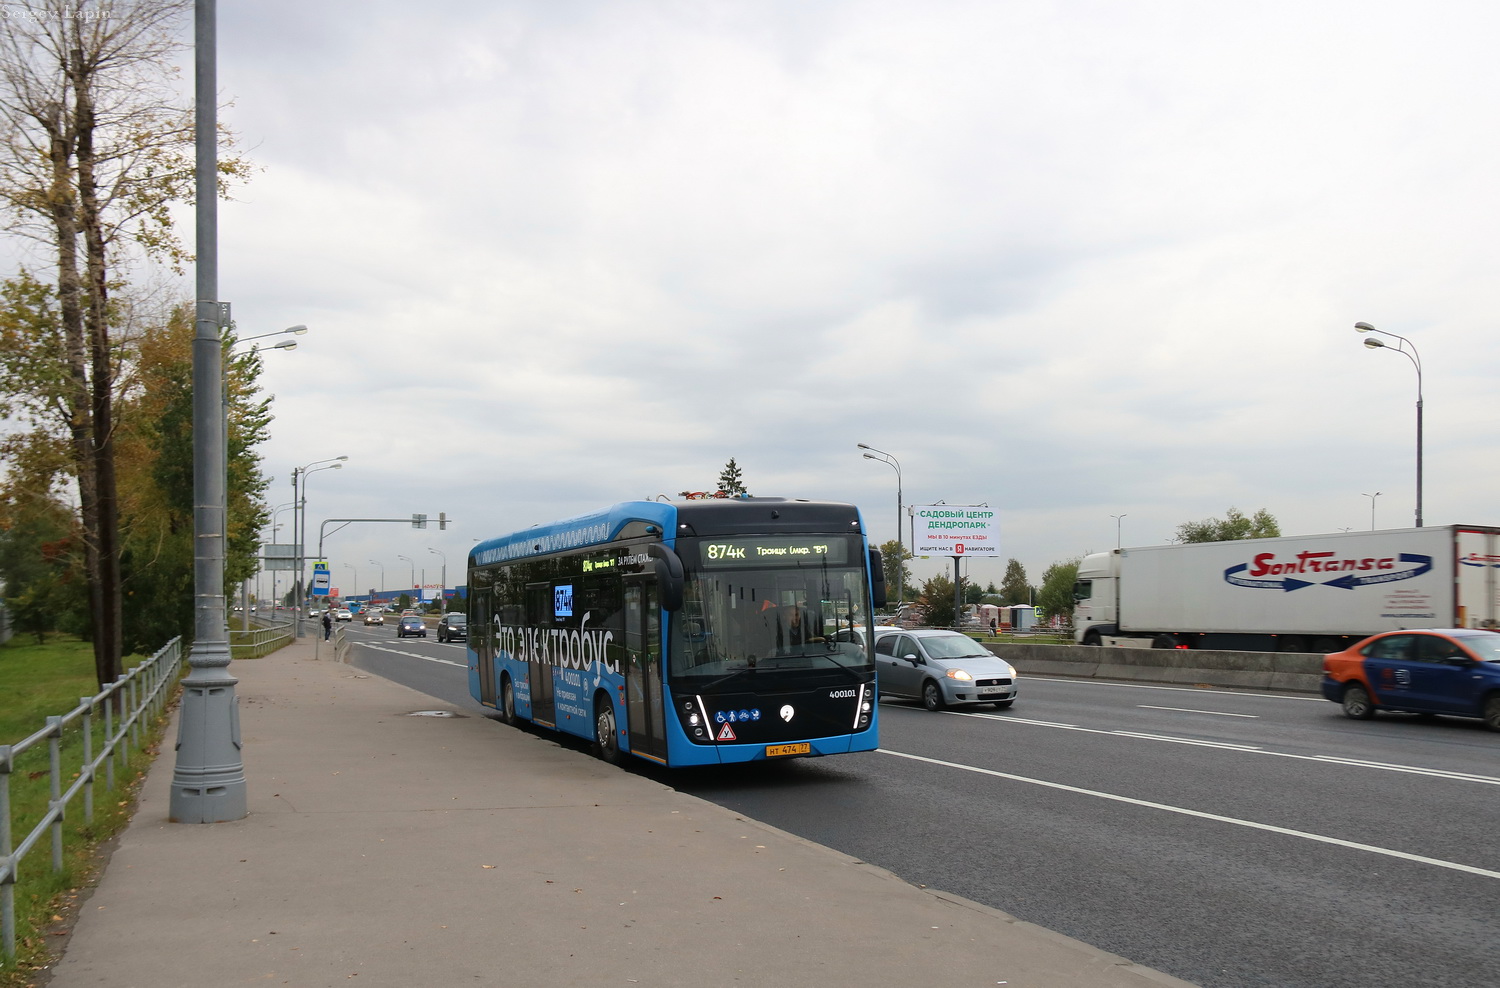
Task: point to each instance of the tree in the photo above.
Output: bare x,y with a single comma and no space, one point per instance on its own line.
1014,589
156,479
94,151
1055,598
730,481
40,565
1234,526
893,558
935,602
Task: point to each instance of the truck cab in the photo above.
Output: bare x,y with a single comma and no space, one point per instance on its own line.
1095,598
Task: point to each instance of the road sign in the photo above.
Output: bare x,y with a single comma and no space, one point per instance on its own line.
321,582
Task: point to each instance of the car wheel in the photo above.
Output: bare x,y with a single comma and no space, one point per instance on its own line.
1357,704
1492,711
606,737
507,701
932,696
1003,704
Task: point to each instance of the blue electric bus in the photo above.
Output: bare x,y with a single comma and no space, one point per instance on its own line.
686,633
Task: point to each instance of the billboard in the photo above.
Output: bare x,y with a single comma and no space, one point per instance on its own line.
955,530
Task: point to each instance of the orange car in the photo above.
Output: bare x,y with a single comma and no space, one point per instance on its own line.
1439,671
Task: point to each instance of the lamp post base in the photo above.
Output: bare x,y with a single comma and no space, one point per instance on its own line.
208,783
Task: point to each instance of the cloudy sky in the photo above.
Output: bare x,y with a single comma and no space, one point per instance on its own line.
1072,259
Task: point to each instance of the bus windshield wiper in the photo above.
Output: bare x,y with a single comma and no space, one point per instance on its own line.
709,686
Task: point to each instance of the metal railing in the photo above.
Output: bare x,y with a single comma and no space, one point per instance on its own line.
257,642
338,645
141,694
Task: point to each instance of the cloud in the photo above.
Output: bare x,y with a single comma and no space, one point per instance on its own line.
1070,259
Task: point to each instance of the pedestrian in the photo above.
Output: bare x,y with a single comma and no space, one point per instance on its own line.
327,623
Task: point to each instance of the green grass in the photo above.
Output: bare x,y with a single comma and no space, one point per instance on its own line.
38,681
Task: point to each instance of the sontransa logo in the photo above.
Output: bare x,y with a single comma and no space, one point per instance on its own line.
1266,572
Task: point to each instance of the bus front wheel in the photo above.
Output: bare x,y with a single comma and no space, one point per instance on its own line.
606,733
507,701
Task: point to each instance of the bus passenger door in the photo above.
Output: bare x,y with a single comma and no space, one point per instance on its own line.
643,688
539,674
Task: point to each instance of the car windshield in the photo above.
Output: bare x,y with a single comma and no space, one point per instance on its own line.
1485,646
953,647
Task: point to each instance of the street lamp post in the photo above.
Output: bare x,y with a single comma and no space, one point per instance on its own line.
208,780
1416,361
442,593
893,463
1372,498
356,580
1117,528
413,574
299,528
276,527
382,574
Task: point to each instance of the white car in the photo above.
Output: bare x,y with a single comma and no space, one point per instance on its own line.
343,614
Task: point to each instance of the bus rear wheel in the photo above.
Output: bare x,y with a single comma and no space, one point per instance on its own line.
606,734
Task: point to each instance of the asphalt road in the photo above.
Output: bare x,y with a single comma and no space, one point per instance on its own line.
1229,839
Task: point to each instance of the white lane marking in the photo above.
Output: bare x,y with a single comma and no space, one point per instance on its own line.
1190,710
1434,773
1201,744
1389,767
1184,811
1172,689
414,655
1037,723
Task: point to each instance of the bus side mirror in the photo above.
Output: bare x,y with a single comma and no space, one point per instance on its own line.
877,580
668,576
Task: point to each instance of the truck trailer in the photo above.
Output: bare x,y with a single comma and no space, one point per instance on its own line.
1304,593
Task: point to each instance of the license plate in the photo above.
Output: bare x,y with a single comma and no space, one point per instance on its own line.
994,693
773,750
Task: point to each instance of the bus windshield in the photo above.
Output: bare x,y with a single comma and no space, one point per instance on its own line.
769,604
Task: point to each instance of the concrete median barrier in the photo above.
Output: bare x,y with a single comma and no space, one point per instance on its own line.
1279,671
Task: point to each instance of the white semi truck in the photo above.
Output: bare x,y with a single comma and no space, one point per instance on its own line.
1305,593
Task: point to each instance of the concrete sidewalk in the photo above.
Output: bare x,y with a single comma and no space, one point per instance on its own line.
386,849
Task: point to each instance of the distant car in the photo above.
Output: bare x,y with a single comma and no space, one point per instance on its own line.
411,624
453,627
343,614
374,617
942,669
1440,671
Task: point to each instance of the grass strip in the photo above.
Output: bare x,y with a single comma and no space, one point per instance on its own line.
38,680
